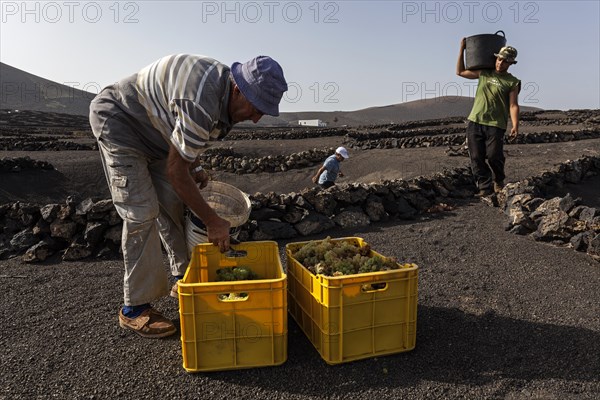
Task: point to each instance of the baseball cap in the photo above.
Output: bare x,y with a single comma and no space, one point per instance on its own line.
508,53
262,83
342,152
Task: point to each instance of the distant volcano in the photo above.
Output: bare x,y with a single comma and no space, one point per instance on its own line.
20,90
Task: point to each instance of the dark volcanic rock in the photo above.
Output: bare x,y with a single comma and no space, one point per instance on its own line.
352,217
314,223
270,230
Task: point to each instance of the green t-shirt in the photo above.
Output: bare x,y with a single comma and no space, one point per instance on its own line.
492,98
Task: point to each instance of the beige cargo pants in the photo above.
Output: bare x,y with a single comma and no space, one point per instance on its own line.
151,210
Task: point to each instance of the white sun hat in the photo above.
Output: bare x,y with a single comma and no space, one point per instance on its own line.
342,152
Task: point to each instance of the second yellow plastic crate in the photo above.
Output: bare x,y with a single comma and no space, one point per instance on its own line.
353,317
249,331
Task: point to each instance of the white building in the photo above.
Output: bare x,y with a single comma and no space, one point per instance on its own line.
311,122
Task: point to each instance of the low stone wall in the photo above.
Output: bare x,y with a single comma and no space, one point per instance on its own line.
45,119
225,159
401,134
572,117
81,229
366,142
78,229
42,144
557,136
19,164
560,220
407,142
419,124
314,210
284,133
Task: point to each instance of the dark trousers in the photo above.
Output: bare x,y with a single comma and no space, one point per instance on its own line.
486,142
326,184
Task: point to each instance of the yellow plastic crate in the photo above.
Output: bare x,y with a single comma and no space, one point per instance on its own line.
221,334
347,318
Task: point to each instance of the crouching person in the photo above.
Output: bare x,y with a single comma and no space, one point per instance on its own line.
328,173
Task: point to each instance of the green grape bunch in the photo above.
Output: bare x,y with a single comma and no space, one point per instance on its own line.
241,273
327,257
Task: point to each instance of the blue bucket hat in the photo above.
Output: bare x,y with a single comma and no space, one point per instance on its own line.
261,82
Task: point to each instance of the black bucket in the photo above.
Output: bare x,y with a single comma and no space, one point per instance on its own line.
480,50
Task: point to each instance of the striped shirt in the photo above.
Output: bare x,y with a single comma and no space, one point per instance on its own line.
185,98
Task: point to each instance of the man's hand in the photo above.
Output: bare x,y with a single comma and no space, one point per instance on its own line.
201,177
460,64
314,179
217,230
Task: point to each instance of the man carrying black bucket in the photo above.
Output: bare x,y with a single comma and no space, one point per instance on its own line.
150,128
496,97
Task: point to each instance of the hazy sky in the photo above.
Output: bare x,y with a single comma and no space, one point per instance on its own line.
336,55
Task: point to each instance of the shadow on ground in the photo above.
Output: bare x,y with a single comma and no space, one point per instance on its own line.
452,347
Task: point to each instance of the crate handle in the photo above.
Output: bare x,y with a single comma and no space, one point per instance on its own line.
233,297
374,287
